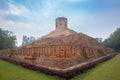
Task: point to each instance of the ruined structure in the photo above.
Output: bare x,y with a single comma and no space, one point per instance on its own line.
61,48
61,28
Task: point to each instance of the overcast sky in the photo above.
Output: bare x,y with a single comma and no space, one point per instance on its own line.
96,18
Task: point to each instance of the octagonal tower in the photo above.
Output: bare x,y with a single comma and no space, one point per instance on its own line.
61,23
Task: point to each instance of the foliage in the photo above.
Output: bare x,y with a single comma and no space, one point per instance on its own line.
99,40
27,39
114,40
7,39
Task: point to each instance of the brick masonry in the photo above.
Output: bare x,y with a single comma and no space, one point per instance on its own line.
59,51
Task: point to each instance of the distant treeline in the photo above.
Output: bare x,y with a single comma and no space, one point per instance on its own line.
27,39
113,41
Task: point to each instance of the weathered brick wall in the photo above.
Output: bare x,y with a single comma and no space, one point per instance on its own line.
56,56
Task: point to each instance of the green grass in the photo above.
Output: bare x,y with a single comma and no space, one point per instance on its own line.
10,71
109,70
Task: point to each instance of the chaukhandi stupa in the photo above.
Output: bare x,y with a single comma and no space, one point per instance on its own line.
61,48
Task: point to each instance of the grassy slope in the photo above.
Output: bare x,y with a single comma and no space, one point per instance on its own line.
109,70
12,72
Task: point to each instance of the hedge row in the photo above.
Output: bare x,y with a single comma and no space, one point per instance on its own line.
66,74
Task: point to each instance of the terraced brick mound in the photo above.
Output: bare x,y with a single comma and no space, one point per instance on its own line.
60,49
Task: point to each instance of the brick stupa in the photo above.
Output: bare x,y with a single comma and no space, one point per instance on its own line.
63,48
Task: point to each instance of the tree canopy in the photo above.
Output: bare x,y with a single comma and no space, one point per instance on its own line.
114,40
7,39
27,39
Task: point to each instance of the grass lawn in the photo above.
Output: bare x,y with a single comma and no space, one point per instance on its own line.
10,71
109,70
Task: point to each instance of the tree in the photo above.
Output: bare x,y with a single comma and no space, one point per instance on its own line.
27,39
7,39
114,40
99,39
